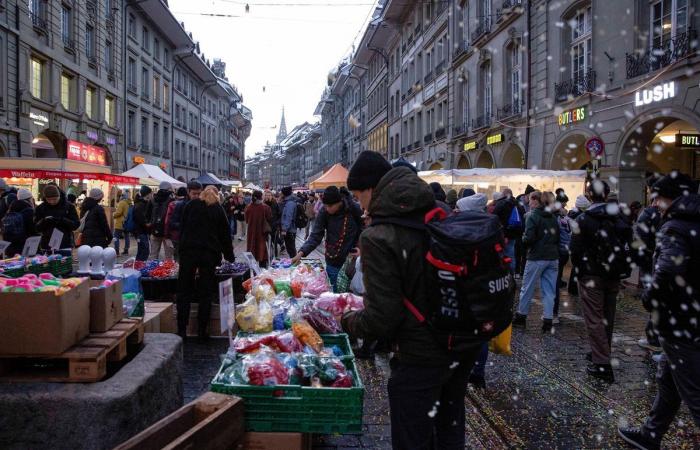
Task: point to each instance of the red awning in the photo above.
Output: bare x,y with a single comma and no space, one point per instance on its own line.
29,173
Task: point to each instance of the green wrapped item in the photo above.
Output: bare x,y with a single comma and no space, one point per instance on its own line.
133,304
283,287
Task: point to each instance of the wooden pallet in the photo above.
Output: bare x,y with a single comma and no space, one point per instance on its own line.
85,362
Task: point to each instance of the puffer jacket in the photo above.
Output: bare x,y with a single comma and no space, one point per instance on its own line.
61,216
673,296
393,267
541,235
120,213
645,229
341,231
96,231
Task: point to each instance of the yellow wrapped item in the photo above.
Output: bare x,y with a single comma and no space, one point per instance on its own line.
254,316
500,345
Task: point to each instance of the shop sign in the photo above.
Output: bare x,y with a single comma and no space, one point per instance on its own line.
39,118
77,151
688,140
110,140
52,174
91,135
572,116
658,93
138,159
494,139
595,147
471,145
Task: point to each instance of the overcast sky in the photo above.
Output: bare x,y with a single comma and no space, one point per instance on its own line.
277,54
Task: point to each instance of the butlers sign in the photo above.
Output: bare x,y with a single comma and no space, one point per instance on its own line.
657,93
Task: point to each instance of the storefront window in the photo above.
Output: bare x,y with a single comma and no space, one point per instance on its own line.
486,85
89,101
109,111
67,91
37,78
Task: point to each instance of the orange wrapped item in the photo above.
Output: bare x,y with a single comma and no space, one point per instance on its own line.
248,284
307,335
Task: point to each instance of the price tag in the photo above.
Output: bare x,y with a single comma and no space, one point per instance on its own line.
31,246
3,247
56,238
252,263
227,307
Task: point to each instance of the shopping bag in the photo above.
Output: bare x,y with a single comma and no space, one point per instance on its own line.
500,345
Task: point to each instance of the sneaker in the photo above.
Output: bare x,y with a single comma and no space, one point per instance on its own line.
546,326
644,343
477,381
638,438
519,320
601,371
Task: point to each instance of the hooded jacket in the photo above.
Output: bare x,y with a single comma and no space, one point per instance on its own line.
61,216
673,296
140,210
120,213
96,231
24,208
158,210
541,235
393,267
503,208
341,230
645,229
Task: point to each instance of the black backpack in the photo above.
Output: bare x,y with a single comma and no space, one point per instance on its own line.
611,253
160,209
470,286
13,227
300,219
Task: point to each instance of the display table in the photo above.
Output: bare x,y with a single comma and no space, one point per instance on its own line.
165,289
95,416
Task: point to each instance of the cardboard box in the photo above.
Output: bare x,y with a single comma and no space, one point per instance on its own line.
214,321
106,307
42,323
275,441
159,318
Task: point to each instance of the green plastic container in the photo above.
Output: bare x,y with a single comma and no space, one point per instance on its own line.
60,267
300,409
329,340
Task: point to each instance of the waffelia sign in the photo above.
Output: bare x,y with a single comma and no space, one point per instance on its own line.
658,93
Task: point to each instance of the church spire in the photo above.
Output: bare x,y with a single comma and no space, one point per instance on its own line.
283,129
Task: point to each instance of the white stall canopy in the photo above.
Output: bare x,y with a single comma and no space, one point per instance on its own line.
151,175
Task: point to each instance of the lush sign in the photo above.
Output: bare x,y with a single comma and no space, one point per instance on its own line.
494,139
471,145
688,140
655,94
572,116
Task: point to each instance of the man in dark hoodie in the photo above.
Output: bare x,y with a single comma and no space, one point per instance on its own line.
141,223
55,213
427,384
670,297
157,214
340,221
600,251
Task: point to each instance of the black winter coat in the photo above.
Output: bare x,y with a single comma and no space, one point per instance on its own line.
341,230
61,216
157,212
503,208
645,230
205,234
673,297
139,215
96,231
25,209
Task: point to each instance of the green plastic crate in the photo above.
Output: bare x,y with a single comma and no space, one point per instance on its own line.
341,340
61,267
301,409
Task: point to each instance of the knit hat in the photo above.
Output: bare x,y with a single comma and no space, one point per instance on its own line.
181,192
476,202
468,192
331,196
497,195
673,185
582,203
24,194
368,169
287,191
451,196
51,191
145,190
438,192
194,185
403,163
96,193
529,190
165,186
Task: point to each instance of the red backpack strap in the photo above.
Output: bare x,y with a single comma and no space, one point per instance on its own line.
416,313
435,212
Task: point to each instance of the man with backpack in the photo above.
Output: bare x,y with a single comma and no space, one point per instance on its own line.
601,252
672,297
340,222
157,211
426,309
18,222
293,218
510,213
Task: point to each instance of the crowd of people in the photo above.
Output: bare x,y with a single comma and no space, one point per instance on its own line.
374,238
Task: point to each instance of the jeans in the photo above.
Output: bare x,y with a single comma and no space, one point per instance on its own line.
427,404
598,301
333,272
233,226
142,247
479,369
546,272
241,229
201,289
563,259
156,243
509,251
677,380
121,234
290,242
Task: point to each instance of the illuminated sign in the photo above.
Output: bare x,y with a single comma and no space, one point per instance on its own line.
39,118
77,151
494,139
471,145
688,140
91,134
138,159
658,93
110,140
572,116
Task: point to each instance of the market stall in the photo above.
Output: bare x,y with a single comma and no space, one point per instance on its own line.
488,181
335,176
151,175
209,178
252,187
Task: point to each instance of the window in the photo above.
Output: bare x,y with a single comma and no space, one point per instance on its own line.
37,12
464,89
131,75
132,26
37,80
166,57
581,45
515,69
156,89
145,39
110,113
109,57
67,26
67,91
669,18
145,82
90,42
90,101
109,9
177,115
155,136
131,128
144,133
165,138
156,48
486,90
166,97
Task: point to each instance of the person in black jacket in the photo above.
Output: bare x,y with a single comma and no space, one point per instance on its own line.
56,213
157,213
18,223
673,297
275,222
340,221
96,231
205,236
503,208
141,223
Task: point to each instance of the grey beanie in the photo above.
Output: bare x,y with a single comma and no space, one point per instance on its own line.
476,202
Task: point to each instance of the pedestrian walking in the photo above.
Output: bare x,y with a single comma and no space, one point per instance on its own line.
288,225
141,203
18,222
230,208
512,217
95,231
600,250
55,213
427,383
541,239
520,250
310,214
205,237
258,217
173,220
157,212
582,203
561,214
674,288
239,215
340,224
273,238
120,214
